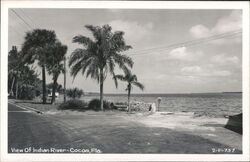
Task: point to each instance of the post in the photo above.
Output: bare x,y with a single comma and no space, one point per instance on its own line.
64,86
44,84
158,103
16,90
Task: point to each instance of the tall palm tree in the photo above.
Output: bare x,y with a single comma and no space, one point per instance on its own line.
98,57
22,75
14,60
131,79
55,64
35,47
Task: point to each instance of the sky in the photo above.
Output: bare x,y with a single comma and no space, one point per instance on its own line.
210,66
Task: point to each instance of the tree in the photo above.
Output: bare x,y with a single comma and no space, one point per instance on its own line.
74,93
35,47
98,57
28,82
131,79
22,76
59,87
14,62
55,64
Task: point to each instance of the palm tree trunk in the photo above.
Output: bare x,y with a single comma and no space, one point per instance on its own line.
11,88
129,90
54,91
16,90
64,91
101,88
44,84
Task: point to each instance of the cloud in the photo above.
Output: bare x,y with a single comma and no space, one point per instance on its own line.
191,69
134,31
229,23
221,73
225,24
183,54
197,71
223,59
200,31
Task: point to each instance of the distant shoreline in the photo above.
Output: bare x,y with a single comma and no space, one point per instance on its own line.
136,94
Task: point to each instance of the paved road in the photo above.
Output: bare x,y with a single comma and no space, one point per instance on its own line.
29,129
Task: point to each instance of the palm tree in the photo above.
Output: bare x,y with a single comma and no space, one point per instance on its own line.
14,60
35,47
28,81
23,76
55,64
15,67
131,79
98,57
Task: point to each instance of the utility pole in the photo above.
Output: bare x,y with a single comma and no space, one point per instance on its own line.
64,91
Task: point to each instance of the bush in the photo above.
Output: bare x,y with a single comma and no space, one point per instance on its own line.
73,105
74,93
95,105
26,93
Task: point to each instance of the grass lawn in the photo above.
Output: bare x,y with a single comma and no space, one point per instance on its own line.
120,132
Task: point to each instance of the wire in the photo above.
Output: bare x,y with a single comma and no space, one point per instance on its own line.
196,40
168,49
28,17
189,43
21,18
21,26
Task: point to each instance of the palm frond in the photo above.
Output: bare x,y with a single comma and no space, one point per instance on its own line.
123,59
75,69
81,65
133,78
118,42
137,84
95,31
93,70
76,55
120,77
82,40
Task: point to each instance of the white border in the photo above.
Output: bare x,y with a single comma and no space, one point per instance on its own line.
123,5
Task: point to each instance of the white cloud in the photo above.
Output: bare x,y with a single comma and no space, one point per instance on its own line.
229,23
178,53
225,24
183,54
200,31
191,69
197,71
223,59
134,32
221,73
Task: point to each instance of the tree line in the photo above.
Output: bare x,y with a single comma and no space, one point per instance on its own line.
97,58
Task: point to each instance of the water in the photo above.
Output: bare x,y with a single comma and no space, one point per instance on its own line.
217,104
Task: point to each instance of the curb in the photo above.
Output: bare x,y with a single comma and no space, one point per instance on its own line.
26,108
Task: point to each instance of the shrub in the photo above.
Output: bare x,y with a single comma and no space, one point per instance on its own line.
95,105
26,93
74,93
73,105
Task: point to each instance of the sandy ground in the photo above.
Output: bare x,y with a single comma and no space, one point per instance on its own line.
161,132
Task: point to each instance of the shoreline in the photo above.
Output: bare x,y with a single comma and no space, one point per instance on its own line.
36,103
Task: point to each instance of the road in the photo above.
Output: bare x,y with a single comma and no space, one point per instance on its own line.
29,129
